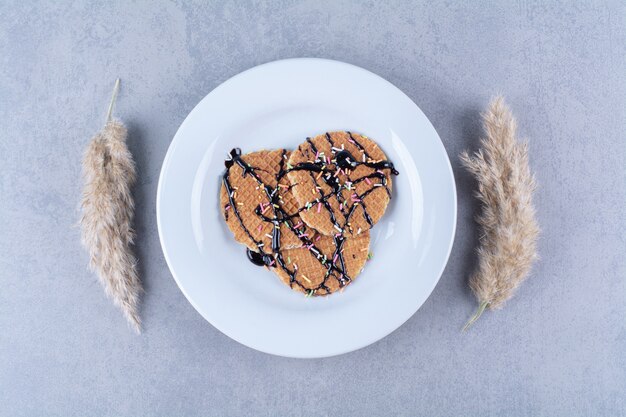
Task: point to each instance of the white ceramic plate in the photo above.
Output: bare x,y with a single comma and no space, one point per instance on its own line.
277,105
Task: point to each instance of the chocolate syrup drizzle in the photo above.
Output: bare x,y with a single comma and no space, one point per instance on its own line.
335,265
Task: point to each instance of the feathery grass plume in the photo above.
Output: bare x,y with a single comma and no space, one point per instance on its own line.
107,215
508,242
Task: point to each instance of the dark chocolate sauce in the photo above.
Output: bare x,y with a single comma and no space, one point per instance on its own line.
345,160
258,258
342,159
235,153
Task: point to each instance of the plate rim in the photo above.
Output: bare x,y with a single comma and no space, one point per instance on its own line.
335,352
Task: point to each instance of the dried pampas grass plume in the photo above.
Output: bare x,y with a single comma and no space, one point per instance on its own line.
508,246
107,215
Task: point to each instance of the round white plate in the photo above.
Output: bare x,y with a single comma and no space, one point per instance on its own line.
277,105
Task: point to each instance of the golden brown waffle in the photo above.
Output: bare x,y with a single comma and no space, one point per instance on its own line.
364,190
249,228
311,273
304,259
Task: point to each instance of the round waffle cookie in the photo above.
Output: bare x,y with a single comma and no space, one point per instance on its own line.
252,191
342,180
262,212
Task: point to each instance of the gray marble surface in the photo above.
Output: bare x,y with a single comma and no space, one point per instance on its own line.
557,349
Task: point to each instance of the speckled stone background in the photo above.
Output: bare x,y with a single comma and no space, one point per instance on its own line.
557,349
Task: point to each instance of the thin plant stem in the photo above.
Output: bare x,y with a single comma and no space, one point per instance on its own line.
116,89
476,316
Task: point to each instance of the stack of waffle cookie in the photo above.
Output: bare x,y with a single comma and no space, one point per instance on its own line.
306,214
